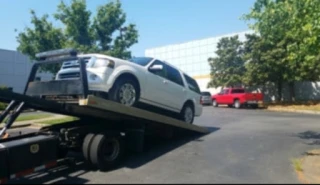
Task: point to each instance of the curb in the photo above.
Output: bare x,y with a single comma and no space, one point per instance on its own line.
294,111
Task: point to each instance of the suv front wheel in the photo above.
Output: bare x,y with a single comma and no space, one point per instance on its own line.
125,91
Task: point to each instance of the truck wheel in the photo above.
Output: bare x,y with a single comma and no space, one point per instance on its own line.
86,147
254,106
106,152
125,91
187,113
237,104
214,103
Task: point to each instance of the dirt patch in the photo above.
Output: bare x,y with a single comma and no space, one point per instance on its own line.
308,167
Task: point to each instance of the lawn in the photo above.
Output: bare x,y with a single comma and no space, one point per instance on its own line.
32,117
315,107
59,121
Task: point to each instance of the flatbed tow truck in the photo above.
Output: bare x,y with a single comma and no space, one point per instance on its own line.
104,131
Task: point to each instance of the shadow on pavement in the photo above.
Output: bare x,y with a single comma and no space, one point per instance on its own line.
312,137
155,148
71,173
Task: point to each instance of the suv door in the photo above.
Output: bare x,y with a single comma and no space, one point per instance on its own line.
157,91
176,87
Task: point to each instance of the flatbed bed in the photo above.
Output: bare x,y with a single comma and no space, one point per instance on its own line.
104,131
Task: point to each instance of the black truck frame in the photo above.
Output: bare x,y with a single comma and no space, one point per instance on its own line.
103,132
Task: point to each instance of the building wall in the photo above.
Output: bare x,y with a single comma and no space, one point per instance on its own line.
14,70
192,57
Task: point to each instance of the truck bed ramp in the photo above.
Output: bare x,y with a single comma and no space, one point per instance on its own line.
95,107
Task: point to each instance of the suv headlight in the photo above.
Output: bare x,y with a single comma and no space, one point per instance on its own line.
102,63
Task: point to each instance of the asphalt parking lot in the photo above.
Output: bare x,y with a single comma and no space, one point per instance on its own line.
245,146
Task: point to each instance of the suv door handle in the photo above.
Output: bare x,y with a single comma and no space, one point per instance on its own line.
165,81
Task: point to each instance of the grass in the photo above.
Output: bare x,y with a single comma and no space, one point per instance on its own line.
297,105
59,121
297,164
2,106
31,117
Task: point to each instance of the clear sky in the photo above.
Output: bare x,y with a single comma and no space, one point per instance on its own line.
159,22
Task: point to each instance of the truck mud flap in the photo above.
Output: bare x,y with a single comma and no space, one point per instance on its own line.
3,163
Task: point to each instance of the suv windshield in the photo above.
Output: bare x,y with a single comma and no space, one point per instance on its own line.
143,61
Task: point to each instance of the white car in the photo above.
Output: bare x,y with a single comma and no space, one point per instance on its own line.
139,80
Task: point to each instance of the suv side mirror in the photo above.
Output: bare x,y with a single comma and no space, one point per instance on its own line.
157,67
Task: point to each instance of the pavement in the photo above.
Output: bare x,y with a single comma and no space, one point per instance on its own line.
245,146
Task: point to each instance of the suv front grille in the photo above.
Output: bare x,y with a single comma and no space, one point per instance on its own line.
69,75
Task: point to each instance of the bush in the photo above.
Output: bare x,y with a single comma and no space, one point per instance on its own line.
2,106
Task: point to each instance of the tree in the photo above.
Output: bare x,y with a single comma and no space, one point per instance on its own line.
227,68
106,34
290,29
44,36
110,20
262,64
76,19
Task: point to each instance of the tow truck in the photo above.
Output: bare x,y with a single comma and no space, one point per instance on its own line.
104,131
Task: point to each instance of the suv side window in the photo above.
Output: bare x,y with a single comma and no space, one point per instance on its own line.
192,84
162,73
174,75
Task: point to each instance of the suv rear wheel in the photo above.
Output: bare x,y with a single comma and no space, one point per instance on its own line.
187,113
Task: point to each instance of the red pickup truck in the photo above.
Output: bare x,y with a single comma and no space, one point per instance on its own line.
236,97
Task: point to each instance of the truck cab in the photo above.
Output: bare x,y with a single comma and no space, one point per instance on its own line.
236,97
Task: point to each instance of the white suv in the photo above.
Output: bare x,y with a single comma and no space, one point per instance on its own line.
139,80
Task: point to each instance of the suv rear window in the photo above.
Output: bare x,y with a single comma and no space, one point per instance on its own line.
192,84
205,94
237,91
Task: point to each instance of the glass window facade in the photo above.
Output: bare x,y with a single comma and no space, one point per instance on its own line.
191,57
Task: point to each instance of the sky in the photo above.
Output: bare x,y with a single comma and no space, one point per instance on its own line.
159,22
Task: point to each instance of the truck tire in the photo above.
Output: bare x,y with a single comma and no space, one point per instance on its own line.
86,147
125,91
237,104
214,103
106,152
254,106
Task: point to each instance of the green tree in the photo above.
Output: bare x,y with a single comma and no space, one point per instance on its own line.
76,19
227,68
44,36
110,21
262,64
108,33
289,29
